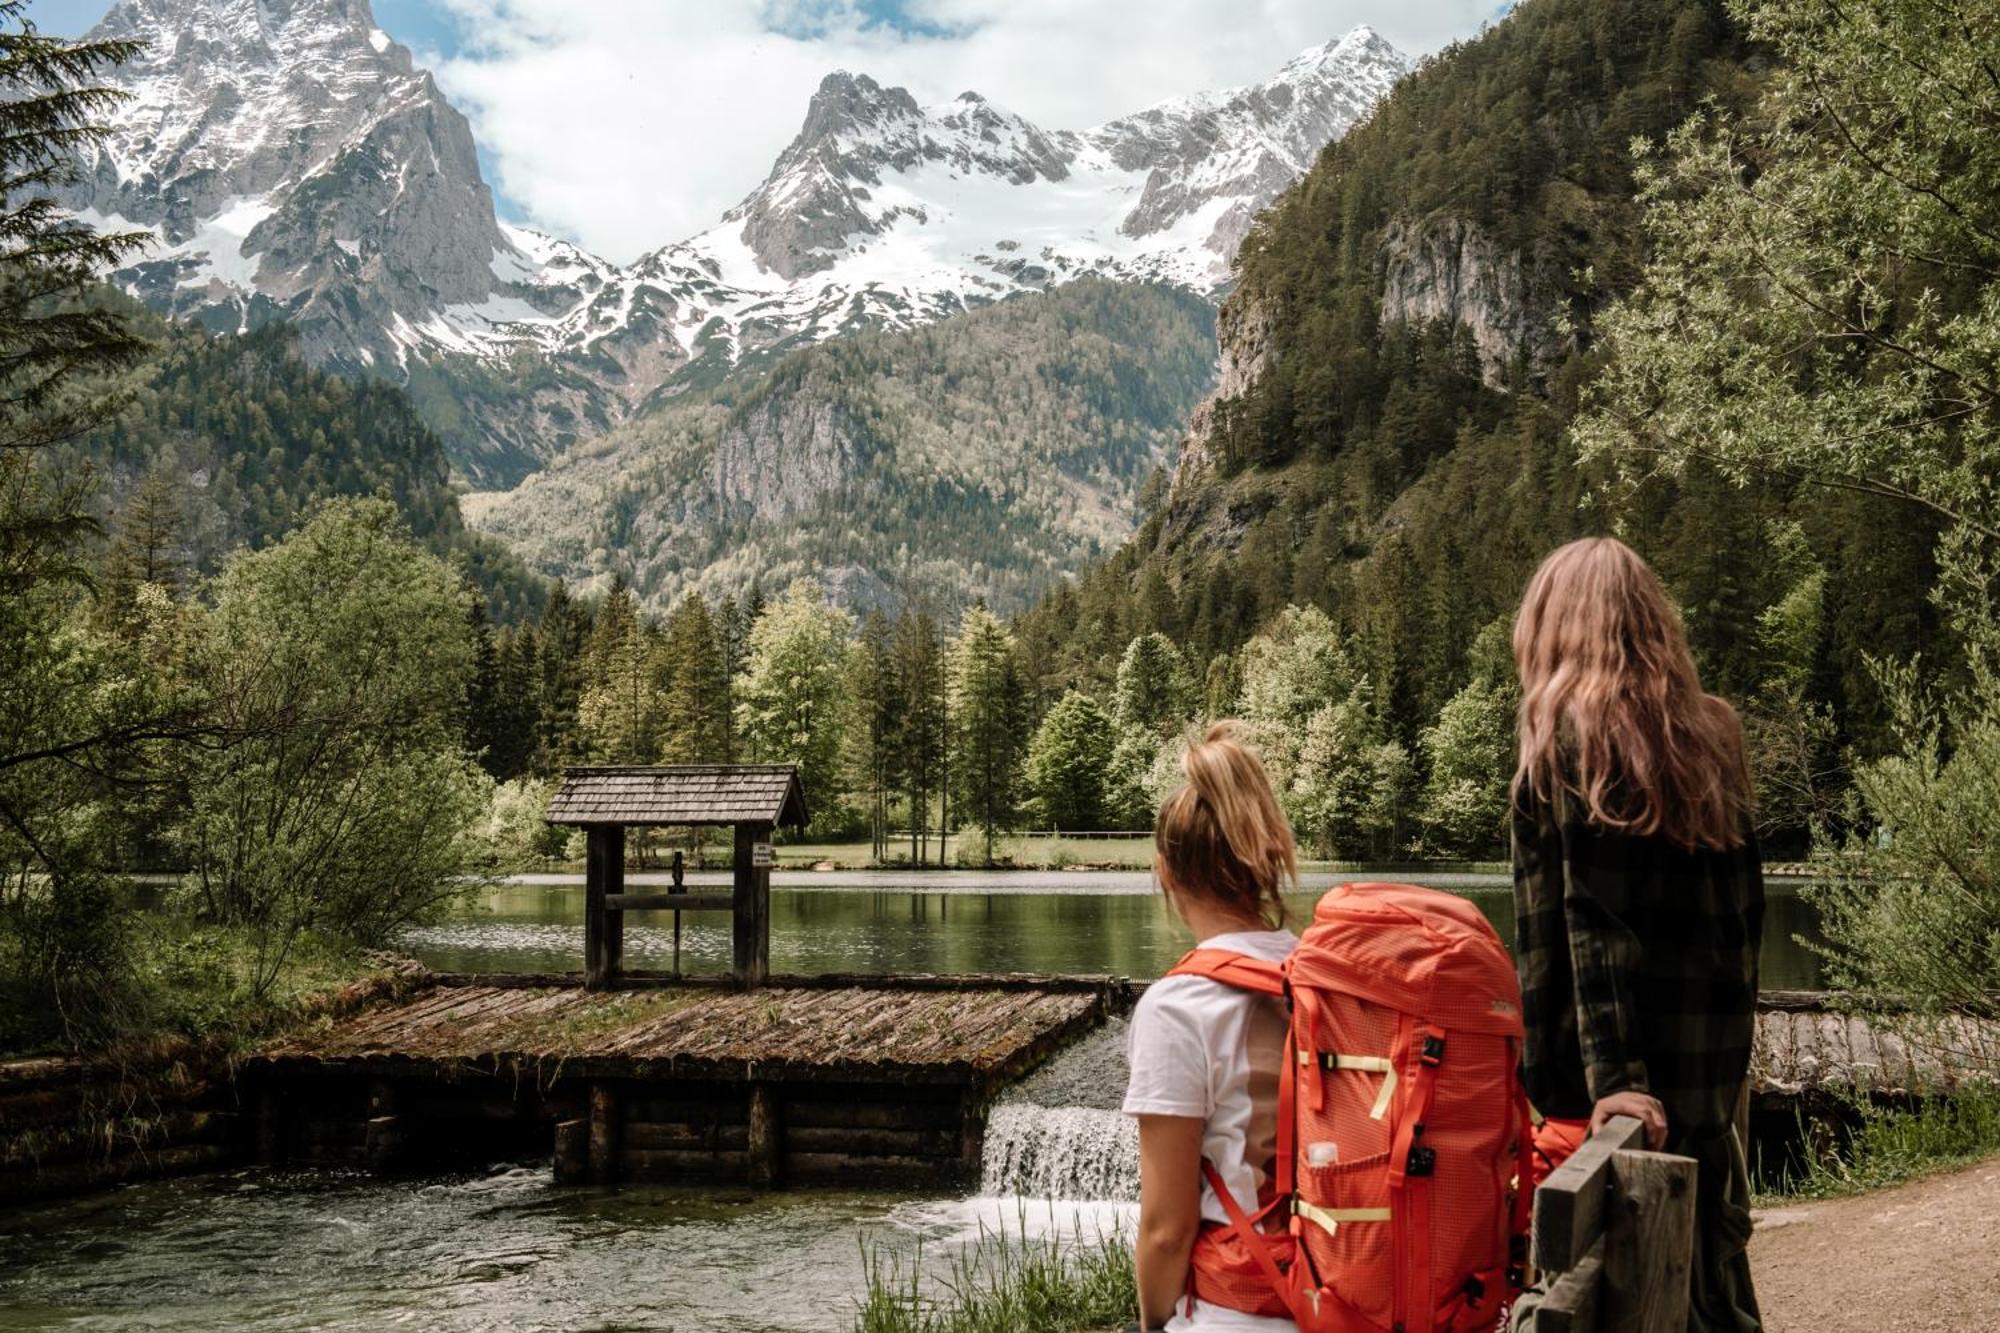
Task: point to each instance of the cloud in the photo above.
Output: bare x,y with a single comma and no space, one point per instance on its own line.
627,125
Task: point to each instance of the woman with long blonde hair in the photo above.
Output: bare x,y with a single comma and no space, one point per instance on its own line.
1205,1056
1638,891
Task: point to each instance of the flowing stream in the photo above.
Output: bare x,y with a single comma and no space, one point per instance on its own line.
507,1248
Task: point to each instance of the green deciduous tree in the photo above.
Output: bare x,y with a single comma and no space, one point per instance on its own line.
789,701
1823,308
1068,760
1469,752
340,659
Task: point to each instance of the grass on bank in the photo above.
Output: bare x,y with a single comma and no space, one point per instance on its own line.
1891,1145
182,980
1007,1283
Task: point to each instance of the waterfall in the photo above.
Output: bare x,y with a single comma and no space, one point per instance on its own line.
1059,1134
1060,1152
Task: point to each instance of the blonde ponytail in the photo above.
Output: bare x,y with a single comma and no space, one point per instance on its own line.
1222,836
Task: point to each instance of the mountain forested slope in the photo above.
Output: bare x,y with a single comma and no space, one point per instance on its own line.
977,457
1400,361
240,437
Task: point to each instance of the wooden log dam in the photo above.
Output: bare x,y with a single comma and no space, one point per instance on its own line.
802,1082
827,1081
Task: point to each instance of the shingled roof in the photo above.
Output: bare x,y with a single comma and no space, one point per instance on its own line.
681,794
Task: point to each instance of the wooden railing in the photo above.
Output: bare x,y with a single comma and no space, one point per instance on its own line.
1614,1237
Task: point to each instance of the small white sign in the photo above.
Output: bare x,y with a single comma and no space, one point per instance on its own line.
762,855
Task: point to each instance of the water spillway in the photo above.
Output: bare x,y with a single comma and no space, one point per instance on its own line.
1059,1134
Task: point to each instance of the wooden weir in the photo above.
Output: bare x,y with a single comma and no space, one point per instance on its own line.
820,1081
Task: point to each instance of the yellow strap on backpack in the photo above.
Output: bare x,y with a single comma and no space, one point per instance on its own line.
1329,1219
1365,1064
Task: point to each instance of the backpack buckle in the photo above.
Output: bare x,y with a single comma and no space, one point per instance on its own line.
1433,1051
1422,1162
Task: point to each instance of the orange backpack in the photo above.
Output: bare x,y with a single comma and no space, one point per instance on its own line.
1403,1132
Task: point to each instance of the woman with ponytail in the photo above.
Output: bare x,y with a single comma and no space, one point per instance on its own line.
1205,1056
1638,892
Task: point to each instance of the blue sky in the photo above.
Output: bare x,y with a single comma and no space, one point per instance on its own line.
626,124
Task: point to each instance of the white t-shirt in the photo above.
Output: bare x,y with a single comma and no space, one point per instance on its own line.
1200,1048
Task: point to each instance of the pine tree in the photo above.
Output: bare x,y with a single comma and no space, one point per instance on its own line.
620,708
479,715
878,706
559,671
56,338
921,737
694,687
989,719
145,551
1153,686
511,740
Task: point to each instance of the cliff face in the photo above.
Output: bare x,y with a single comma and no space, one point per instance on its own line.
1450,269
1442,269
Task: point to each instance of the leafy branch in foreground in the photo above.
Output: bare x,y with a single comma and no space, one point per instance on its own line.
53,339
1823,304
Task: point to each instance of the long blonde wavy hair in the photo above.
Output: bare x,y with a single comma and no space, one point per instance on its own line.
1613,715
1222,835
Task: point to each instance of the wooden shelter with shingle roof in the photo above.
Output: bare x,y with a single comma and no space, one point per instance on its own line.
752,799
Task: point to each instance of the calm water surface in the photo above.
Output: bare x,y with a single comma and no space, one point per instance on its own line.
958,921
510,1249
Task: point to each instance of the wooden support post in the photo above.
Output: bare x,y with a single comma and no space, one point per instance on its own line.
971,1136
270,1131
753,908
605,1115
603,929
384,1143
766,1136
572,1162
1649,1244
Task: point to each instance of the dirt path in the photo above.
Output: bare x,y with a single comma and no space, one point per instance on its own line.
1920,1258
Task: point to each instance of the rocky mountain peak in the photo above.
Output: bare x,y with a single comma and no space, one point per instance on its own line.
293,163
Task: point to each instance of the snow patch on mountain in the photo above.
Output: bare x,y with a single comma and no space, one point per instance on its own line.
283,155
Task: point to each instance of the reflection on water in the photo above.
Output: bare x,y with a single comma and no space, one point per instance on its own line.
1073,924
507,1250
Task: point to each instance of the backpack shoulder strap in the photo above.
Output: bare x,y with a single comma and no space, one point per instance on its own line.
1232,969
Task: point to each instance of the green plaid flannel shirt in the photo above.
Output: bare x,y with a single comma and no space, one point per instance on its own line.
1638,964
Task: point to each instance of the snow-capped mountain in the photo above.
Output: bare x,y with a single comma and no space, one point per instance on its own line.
295,164
883,212
292,162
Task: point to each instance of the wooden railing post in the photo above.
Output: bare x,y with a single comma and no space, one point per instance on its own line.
1649,1244
1614,1238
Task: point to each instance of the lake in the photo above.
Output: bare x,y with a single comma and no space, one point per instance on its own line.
945,921
509,1248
